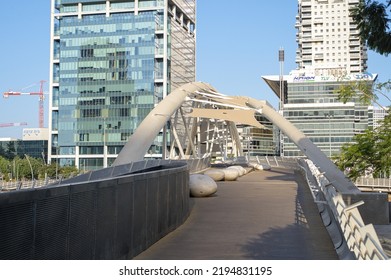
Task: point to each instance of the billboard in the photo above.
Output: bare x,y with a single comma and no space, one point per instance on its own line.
35,134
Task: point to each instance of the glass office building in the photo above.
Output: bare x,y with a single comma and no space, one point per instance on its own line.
111,63
260,141
311,104
11,148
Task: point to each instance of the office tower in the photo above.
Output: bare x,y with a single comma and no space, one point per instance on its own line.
330,54
328,38
111,63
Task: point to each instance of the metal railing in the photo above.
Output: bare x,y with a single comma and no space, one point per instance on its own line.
274,161
194,165
374,184
351,237
20,185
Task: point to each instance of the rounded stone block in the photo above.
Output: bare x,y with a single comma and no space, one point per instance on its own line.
230,174
202,185
215,174
239,168
262,167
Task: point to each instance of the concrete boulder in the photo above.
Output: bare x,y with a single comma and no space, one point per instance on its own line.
230,174
215,174
239,168
262,167
202,185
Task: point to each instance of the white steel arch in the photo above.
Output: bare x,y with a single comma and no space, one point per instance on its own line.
208,104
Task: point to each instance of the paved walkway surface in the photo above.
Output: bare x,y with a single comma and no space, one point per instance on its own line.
263,215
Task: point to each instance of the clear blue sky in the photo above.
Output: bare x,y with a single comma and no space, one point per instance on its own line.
237,43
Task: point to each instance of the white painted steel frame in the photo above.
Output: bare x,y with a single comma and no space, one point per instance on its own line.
143,137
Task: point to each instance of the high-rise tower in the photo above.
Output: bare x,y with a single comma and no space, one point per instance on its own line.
330,54
328,39
111,62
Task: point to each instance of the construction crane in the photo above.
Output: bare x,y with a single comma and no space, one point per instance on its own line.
12,124
41,99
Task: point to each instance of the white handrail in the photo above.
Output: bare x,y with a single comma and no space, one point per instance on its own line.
348,220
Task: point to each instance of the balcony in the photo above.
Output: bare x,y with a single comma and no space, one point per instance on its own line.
318,38
354,56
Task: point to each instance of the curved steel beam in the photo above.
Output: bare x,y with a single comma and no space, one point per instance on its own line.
146,132
143,137
332,173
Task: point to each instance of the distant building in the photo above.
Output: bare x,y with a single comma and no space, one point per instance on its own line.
34,144
111,63
376,116
260,141
313,107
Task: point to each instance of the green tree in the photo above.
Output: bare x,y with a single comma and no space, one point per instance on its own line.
5,168
21,168
373,22
363,92
369,153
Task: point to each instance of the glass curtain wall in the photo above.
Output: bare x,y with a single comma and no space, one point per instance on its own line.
113,61
314,108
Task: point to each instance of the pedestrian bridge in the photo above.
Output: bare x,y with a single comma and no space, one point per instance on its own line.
306,209
266,214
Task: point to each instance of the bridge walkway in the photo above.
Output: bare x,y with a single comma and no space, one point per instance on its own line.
263,215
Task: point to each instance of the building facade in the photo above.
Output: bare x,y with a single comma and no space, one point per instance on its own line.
111,63
10,148
260,141
312,105
328,39
330,54
33,144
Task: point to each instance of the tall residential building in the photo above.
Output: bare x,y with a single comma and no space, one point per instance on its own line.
111,63
330,54
328,38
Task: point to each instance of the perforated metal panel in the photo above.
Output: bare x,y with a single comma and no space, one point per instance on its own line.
109,219
17,231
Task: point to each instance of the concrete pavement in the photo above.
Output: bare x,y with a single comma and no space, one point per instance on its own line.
262,215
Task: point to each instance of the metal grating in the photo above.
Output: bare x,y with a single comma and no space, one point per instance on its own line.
51,228
82,225
16,231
